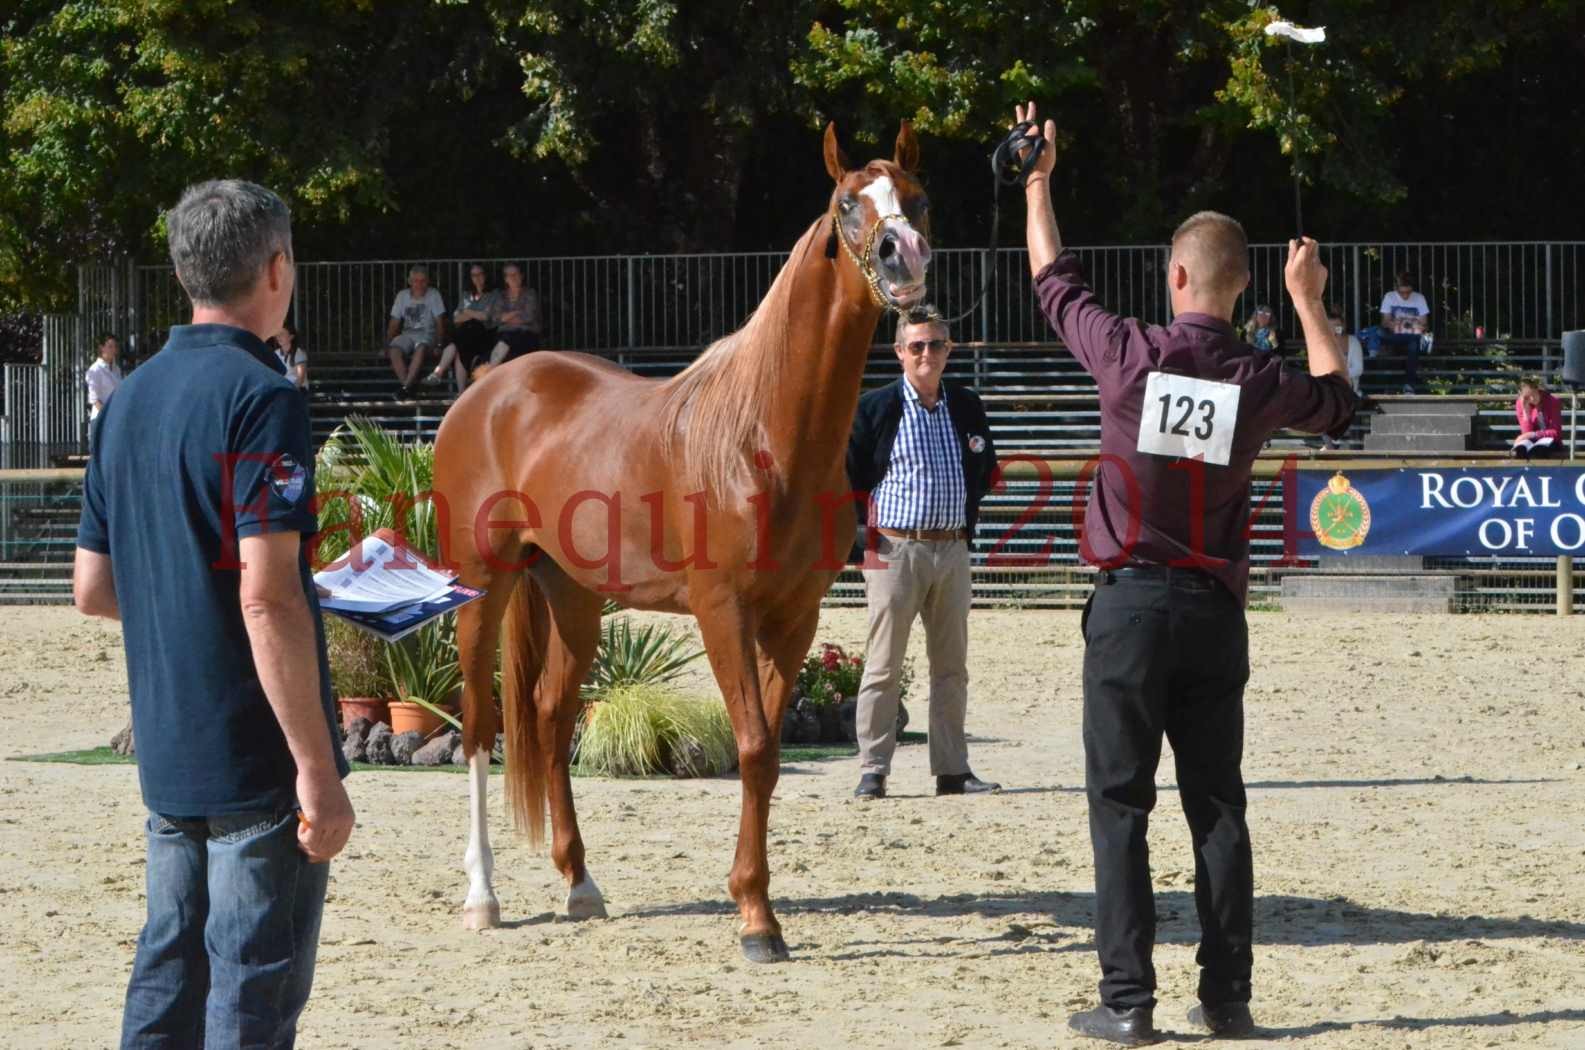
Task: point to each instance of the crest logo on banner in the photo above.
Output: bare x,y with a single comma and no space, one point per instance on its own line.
1339,515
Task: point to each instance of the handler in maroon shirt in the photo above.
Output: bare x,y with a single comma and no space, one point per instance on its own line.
1185,409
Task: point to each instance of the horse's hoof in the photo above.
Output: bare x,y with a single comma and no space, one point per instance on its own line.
481,916
584,901
764,947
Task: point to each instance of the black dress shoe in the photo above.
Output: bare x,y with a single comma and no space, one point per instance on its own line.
964,784
1123,1027
1230,1020
871,785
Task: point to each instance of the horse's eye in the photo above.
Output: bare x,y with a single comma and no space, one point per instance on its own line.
846,204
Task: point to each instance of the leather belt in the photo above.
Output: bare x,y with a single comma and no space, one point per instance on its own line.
938,535
1173,576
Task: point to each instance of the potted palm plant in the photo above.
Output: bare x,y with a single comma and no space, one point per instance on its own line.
424,670
364,475
359,675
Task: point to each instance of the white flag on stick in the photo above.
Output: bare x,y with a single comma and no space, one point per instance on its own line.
1298,34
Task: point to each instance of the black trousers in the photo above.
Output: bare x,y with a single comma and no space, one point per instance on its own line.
519,342
1167,656
474,342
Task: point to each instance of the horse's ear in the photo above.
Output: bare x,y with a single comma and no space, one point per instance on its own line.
906,155
836,160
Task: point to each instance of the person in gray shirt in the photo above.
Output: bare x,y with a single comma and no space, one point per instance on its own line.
417,323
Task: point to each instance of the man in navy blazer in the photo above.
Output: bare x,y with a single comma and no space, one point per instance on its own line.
921,451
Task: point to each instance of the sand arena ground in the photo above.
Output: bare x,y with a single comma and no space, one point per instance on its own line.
1416,801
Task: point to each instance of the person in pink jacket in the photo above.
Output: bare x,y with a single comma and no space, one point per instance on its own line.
1540,422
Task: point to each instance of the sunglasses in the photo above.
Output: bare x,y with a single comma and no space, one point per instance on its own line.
935,346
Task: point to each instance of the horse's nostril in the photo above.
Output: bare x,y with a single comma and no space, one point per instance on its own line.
888,247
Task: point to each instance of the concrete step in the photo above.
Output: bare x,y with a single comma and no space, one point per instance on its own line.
1375,564
1422,423
1357,593
1436,406
1375,442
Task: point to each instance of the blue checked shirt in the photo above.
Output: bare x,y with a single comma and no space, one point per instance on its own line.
923,487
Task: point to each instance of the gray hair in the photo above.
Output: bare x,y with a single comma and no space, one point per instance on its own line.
222,234
418,270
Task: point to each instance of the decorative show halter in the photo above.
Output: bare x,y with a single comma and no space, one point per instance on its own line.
862,260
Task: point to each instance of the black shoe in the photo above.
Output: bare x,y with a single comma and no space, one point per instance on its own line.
871,785
1229,1021
964,784
1124,1027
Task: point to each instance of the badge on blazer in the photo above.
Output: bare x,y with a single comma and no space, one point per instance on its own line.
287,478
976,443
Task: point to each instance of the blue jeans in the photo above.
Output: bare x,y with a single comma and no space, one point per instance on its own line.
226,956
1376,339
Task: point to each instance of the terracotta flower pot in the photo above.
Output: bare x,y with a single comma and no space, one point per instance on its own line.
408,717
372,708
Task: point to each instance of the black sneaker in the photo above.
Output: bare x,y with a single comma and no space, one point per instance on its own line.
1228,1021
1123,1027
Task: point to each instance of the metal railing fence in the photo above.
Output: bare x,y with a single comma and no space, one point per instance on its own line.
1519,290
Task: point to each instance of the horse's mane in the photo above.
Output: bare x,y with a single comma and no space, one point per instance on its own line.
713,410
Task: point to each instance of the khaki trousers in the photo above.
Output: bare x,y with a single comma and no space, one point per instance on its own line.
928,579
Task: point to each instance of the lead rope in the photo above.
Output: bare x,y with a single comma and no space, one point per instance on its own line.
1009,167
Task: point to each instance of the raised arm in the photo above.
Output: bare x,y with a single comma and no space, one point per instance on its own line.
1306,280
1045,239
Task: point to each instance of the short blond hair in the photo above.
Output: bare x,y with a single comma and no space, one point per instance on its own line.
1215,251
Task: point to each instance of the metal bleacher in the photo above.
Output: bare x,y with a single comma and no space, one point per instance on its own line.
1040,402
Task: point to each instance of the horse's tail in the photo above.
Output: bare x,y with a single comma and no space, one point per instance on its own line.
522,656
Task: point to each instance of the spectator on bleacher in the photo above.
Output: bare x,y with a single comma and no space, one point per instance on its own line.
1355,357
418,320
517,319
1356,352
1405,324
103,376
1260,331
1540,422
293,358
472,330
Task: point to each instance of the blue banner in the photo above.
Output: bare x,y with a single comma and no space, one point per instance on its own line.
1517,511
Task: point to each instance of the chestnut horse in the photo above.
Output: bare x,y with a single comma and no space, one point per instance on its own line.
720,492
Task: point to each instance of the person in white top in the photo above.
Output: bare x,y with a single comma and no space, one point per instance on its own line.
1406,323
1355,356
417,325
1356,353
102,378
291,355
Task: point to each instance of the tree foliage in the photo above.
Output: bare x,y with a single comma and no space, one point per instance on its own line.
536,126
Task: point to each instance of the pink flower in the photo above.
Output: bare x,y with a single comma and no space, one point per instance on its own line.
856,661
831,660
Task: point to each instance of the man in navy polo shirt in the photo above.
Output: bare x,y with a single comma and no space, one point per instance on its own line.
194,517
1185,410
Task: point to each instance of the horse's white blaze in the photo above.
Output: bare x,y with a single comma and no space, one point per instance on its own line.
883,195
479,861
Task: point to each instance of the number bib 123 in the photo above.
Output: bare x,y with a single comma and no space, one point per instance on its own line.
1188,418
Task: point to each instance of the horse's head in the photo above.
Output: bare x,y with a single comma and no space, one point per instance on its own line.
880,216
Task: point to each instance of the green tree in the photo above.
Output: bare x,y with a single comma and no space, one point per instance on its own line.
110,108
